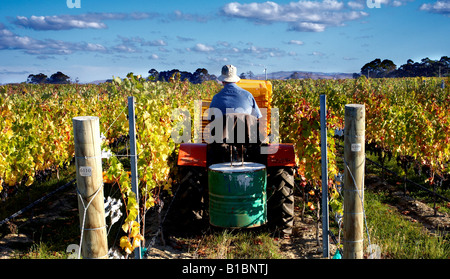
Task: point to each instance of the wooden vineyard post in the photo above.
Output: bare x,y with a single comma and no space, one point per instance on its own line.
354,156
88,158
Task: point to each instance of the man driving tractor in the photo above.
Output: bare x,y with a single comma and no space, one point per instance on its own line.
234,97
232,136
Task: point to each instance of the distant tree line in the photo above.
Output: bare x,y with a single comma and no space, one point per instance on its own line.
425,68
199,76
248,75
375,69
56,78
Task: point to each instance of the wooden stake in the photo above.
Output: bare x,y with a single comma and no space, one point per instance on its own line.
88,158
354,156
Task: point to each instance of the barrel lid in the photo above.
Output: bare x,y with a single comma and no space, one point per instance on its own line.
237,167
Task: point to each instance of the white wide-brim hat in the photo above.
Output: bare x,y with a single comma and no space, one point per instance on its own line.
229,74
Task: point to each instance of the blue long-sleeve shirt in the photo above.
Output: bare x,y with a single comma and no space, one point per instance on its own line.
234,97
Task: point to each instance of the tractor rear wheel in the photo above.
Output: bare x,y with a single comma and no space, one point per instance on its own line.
190,204
280,201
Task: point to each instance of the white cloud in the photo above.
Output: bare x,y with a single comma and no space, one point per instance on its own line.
141,41
218,59
57,23
179,15
439,7
82,21
362,4
125,48
356,5
317,53
185,39
203,48
134,44
301,16
349,58
95,47
10,40
296,42
308,27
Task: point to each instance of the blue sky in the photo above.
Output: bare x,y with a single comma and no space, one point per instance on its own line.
103,38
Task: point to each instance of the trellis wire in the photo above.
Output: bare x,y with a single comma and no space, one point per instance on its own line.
85,208
28,207
361,199
409,181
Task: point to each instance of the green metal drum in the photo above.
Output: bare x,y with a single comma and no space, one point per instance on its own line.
237,195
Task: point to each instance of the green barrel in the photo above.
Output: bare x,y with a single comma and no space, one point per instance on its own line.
237,195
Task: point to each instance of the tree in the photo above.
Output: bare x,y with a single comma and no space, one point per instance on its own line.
250,75
59,78
154,75
445,61
56,78
200,75
369,69
387,67
378,68
37,79
444,66
356,75
408,69
425,68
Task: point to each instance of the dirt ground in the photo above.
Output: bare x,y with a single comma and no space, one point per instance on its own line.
302,244
412,209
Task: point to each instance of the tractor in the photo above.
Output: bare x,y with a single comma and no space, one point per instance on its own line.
193,202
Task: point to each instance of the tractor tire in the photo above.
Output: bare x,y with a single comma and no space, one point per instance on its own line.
189,207
280,200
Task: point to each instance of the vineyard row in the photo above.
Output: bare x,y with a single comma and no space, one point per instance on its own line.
408,118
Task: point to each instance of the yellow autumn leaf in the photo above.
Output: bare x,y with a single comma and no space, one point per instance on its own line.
9,134
134,229
29,181
126,226
131,225
137,241
150,202
126,245
167,186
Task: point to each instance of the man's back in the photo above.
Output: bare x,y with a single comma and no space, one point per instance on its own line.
235,98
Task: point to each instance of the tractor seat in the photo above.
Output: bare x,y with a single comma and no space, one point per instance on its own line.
239,128
240,133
